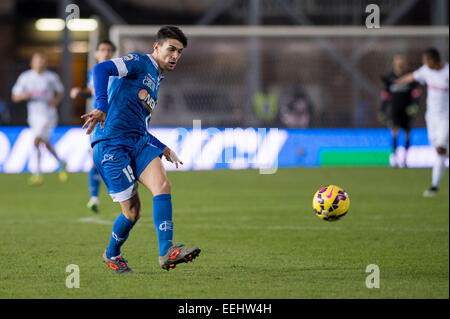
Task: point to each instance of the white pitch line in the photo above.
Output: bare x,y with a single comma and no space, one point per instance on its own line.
95,220
98,220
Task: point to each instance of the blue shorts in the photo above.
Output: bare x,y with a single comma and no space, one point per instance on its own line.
121,162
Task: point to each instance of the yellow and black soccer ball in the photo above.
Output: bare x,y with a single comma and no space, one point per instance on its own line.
331,203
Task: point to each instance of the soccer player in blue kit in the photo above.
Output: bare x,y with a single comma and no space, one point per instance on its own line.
125,152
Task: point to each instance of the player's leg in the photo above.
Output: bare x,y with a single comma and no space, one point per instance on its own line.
52,151
94,180
407,129
394,131
114,165
62,172
439,136
45,138
112,257
405,124
36,177
131,211
437,172
154,177
407,144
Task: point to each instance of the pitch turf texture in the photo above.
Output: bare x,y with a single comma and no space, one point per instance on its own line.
258,235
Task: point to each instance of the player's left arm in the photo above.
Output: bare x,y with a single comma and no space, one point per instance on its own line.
168,153
407,78
77,92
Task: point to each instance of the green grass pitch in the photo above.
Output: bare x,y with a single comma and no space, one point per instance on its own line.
258,235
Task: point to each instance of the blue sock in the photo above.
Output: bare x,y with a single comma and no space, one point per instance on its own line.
94,181
120,232
162,218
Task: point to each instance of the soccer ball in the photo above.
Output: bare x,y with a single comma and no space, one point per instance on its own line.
331,203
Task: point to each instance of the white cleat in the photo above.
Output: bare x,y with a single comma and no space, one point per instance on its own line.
431,192
93,204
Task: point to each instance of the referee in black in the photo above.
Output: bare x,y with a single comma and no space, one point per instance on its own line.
400,103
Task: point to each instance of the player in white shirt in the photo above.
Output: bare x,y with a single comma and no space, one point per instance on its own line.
434,73
43,91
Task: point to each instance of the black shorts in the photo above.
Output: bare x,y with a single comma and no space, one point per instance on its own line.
400,118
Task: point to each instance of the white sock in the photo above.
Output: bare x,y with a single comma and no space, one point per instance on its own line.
438,170
38,164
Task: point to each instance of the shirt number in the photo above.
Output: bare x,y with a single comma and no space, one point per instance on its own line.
128,173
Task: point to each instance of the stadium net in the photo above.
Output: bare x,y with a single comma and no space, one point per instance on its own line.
300,77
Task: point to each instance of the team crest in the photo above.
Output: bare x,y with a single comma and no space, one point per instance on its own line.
129,57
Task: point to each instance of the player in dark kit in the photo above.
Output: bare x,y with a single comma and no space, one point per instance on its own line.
400,103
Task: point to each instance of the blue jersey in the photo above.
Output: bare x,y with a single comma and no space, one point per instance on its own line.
90,84
131,98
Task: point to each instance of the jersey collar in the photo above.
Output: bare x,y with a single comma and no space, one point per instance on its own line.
155,64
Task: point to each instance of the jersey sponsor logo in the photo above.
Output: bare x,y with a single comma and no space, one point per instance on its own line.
130,56
149,81
147,100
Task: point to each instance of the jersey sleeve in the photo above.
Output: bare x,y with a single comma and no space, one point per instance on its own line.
19,86
156,142
420,75
130,65
101,74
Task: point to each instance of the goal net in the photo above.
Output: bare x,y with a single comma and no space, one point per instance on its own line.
299,77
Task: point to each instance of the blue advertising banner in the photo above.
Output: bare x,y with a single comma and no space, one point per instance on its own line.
229,148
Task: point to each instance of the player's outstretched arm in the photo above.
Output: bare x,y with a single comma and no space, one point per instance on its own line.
407,78
77,92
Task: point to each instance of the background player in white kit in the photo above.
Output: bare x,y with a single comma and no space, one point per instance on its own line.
434,73
43,90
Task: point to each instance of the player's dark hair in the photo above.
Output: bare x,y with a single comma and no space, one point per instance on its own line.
432,54
107,42
171,32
